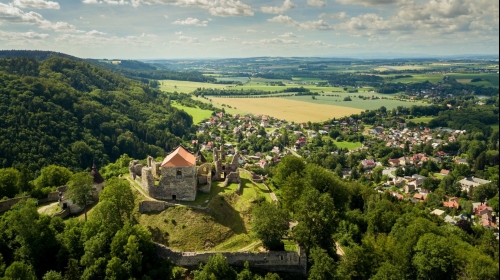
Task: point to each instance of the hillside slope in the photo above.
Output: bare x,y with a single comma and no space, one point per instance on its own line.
68,112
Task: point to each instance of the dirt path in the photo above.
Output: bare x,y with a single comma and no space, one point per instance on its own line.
139,189
42,209
247,248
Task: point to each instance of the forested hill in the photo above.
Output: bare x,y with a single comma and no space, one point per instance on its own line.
68,112
132,69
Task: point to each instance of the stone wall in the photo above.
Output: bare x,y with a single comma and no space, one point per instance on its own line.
182,187
232,178
63,213
147,206
271,261
6,204
53,196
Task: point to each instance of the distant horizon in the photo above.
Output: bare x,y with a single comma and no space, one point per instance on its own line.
357,56
149,29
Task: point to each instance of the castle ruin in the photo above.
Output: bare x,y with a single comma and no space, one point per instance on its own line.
182,174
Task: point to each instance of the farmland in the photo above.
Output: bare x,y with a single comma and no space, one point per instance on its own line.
186,86
356,103
291,110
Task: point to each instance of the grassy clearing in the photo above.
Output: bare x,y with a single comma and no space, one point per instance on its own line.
197,113
356,103
422,120
495,127
186,86
439,176
348,145
291,110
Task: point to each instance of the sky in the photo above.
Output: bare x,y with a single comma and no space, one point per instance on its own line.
154,29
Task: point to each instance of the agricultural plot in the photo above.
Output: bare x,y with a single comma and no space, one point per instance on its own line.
288,109
356,103
233,79
488,79
197,113
417,78
186,86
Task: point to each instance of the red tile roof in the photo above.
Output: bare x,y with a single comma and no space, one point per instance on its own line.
179,157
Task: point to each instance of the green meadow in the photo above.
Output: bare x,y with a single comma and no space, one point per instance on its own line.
197,113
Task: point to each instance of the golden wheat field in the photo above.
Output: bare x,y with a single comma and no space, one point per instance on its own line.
290,110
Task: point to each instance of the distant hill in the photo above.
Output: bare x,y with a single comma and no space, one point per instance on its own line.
66,111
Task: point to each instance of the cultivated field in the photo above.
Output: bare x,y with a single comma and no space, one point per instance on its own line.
185,86
290,110
356,103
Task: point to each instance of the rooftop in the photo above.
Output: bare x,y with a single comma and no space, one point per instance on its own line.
179,157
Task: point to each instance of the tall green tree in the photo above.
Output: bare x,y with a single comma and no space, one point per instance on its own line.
216,268
9,182
270,223
80,190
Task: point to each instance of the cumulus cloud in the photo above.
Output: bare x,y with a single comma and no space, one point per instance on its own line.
316,3
11,14
186,40
341,15
251,31
191,21
178,33
274,41
36,4
368,2
219,39
290,35
21,36
287,5
221,8
308,25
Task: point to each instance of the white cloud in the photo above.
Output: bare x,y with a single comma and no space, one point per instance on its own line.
191,21
21,36
274,41
287,5
368,2
36,4
11,14
308,25
185,40
341,15
221,8
251,31
290,35
219,39
96,38
316,3
178,33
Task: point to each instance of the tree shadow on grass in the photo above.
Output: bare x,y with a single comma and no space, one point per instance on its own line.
226,215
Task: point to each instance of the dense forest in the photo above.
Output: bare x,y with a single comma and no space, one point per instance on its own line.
69,112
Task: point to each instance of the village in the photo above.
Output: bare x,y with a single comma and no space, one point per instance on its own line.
262,141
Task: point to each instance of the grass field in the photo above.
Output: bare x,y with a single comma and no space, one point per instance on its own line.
489,79
356,103
185,86
197,113
235,79
421,120
291,110
348,145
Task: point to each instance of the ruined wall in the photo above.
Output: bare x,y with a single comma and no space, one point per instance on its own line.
147,206
232,178
147,180
63,213
155,167
272,261
204,175
53,196
6,204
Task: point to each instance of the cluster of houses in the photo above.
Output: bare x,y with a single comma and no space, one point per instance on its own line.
399,138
